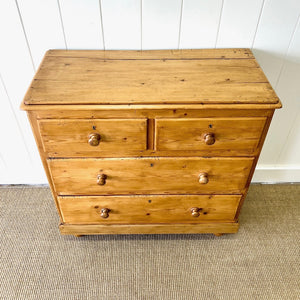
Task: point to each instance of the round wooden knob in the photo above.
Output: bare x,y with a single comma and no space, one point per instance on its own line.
195,211
209,139
94,139
104,213
101,179
203,178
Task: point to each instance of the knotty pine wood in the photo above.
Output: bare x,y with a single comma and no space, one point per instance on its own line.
91,80
173,173
240,136
225,53
148,209
161,175
151,113
261,142
69,138
35,129
234,136
209,227
54,65
54,109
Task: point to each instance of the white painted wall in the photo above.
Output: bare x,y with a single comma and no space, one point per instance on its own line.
29,27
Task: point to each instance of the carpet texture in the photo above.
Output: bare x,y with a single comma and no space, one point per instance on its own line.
261,261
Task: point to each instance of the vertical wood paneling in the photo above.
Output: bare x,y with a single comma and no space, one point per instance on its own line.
238,23
42,25
30,27
290,85
15,165
15,60
16,70
284,121
11,160
274,57
273,36
160,24
291,150
82,24
122,24
288,89
2,169
199,24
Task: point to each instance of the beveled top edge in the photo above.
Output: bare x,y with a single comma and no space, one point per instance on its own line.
193,54
36,107
216,53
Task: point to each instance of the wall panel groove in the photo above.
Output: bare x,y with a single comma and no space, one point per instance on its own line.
238,29
121,24
258,22
14,118
43,27
287,51
101,23
180,22
141,18
82,24
62,24
30,27
160,24
18,150
199,24
276,59
25,35
219,23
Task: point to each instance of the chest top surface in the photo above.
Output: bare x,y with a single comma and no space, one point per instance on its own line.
94,77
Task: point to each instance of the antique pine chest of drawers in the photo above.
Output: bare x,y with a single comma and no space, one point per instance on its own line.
149,141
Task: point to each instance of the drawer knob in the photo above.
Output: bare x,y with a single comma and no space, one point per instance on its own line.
203,178
104,213
101,179
209,139
195,211
94,139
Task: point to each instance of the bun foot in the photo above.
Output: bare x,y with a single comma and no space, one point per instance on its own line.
218,234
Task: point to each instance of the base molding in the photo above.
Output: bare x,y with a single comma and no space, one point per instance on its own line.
276,174
215,228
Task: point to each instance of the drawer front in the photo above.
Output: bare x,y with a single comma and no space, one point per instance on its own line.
149,176
210,135
148,209
67,138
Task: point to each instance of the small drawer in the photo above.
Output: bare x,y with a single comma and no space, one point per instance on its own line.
147,209
211,136
160,175
92,137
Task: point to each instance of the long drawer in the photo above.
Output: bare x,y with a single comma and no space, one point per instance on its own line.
210,135
148,209
94,137
181,175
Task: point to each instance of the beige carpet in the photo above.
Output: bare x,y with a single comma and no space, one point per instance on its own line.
262,261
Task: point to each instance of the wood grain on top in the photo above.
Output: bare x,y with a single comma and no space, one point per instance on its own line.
208,76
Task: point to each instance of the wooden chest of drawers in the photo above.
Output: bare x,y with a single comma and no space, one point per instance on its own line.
149,141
